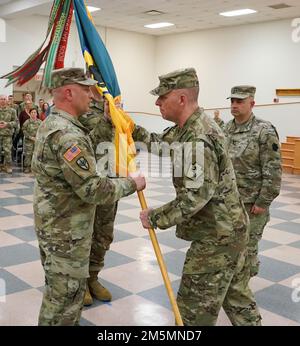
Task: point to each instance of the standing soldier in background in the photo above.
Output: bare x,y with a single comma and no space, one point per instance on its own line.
105,214
67,190
255,153
30,128
9,125
206,210
11,103
217,118
27,98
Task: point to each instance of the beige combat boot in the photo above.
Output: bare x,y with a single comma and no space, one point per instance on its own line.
7,169
97,290
88,299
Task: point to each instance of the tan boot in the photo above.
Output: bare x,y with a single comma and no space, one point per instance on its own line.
87,300
7,169
98,291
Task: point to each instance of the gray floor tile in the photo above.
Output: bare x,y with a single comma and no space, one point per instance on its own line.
266,244
293,195
158,295
25,233
291,227
284,215
174,262
124,206
17,254
287,187
120,236
12,201
85,323
276,205
275,270
120,219
21,192
295,244
278,299
169,238
113,259
164,198
12,284
30,184
6,212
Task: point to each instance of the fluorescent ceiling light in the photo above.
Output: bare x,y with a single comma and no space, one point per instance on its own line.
158,25
237,12
93,9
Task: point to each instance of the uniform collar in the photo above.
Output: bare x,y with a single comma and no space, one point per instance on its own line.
245,127
198,113
69,117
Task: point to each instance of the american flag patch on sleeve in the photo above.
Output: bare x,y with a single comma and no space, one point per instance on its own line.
71,153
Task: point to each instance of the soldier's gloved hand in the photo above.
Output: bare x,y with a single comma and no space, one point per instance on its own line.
139,180
144,217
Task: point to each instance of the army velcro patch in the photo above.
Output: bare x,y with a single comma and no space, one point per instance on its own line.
83,163
73,152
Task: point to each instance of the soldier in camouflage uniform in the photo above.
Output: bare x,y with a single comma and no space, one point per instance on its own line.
217,118
105,215
207,210
30,128
9,124
67,190
12,104
255,153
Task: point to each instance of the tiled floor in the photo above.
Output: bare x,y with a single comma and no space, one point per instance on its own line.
131,271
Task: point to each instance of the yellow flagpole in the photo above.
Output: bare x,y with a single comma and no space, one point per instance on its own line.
162,265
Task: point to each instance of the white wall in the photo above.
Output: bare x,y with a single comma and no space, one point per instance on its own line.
263,55
260,54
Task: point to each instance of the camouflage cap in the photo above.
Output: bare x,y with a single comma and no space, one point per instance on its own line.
179,79
66,76
242,92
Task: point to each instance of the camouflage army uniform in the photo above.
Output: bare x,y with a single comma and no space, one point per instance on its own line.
66,192
255,153
8,115
220,122
21,107
29,128
208,212
105,214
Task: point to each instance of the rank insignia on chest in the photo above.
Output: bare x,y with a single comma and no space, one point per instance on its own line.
82,163
73,152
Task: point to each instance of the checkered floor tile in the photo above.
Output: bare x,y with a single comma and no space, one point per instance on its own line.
131,272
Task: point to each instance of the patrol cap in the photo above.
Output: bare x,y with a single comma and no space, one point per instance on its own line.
242,92
66,76
179,79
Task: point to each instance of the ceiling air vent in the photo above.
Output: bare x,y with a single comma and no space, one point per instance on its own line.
154,13
279,6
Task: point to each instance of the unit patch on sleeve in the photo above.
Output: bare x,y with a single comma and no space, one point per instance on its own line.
71,153
83,163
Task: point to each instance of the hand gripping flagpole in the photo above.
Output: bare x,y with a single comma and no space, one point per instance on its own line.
125,163
162,265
